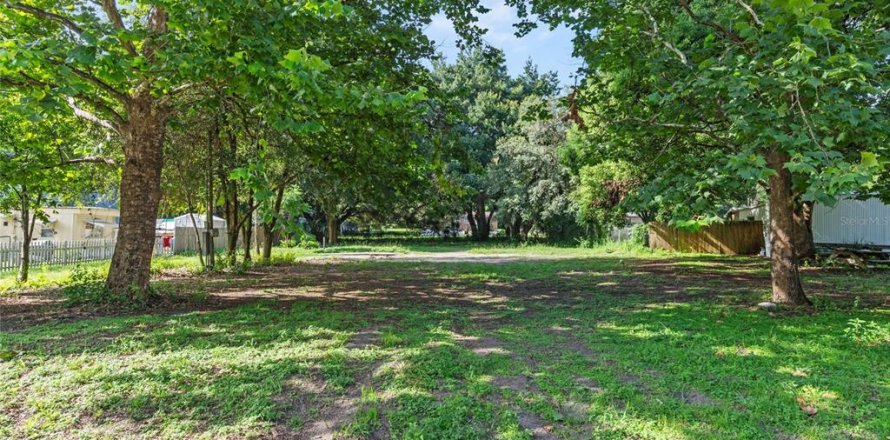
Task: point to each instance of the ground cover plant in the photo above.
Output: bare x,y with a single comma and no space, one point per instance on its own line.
518,342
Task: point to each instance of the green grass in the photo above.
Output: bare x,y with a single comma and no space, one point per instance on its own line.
593,344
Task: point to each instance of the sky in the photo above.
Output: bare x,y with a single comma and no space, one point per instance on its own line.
550,50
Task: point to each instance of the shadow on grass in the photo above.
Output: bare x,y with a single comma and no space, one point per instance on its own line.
462,351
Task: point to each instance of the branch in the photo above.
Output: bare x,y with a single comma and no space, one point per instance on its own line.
806,121
87,76
40,13
114,16
709,132
348,212
654,35
684,4
175,91
88,159
34,216
750,11
29,81
156,25
81,113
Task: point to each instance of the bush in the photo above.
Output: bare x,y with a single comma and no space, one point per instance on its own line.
867,333
87,286
288,244
639,235
307,242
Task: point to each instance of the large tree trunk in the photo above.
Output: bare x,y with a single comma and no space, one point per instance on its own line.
333,229
803,231
482,222
316,221
140,195
268,241
786,285
471,220
516,233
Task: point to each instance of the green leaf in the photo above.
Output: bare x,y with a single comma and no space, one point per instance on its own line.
870,159
820,23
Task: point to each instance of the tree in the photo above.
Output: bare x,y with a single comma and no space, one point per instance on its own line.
123,68
482,107
601,192
41,154
361,164
527,172
779,94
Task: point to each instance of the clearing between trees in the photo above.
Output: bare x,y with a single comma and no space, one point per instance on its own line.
535,342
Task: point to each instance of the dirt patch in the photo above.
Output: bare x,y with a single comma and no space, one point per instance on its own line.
573,411
694,398
629,379
483,346
537,426
313,411
516,384
364,339
589,384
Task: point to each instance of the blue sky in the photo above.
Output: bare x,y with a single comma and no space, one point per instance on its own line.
550,50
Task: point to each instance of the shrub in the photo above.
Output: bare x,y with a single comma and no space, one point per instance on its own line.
87,286
867,333
307,242
639,235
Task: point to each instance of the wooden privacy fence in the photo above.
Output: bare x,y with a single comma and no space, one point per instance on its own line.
60,253
734,238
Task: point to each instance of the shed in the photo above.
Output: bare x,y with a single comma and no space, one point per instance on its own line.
185,221
185,239
852,222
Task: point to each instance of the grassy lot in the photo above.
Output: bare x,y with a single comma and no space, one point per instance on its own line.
550,343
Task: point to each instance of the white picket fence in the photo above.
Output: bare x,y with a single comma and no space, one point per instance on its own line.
61,253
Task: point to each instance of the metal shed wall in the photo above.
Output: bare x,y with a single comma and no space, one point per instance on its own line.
852,222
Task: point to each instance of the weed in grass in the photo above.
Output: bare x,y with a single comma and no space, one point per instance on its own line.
867,333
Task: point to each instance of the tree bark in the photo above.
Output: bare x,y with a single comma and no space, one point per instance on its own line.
269,228
28,223
482,223
516,233
197,231
786,285
140,195
209,239
268,239
471,220
803,231
232,220
333,230
230,193
247,230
